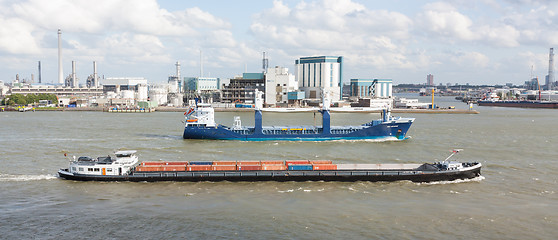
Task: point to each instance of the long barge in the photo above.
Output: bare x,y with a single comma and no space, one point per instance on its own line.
519,103
126,167
200,124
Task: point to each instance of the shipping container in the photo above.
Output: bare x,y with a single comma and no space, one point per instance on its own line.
297,167
248,167
251,163
223,167
324,167
151,163
224,162
198,168
201,163
274,167
291,162
148,168
174,168
177,163
272,162
320,162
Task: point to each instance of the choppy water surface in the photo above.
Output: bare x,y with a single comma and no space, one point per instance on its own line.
514,199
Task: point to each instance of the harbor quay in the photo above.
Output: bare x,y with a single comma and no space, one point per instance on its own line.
184,109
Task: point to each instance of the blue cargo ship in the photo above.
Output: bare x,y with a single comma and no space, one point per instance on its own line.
200,124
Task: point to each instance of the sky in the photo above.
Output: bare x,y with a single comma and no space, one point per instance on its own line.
458,41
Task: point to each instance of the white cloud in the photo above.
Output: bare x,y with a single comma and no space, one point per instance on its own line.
471,60
16,37
136,47
334,28
443,20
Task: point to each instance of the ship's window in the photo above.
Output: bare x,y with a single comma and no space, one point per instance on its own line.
81,169
109,169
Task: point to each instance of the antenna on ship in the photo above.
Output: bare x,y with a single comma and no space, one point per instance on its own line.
454,151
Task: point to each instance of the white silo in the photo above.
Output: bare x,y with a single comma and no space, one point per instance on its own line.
127,94
142,92
158,94
173,85
176,100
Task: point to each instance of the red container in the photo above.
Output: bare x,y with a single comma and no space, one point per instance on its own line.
173,168
272,162
251,163
148,168
320,162
324,167
223,167
176,163
198,168
152,163
296,162
248,167
274,167
228,163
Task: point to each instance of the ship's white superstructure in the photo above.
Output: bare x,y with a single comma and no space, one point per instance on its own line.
124,162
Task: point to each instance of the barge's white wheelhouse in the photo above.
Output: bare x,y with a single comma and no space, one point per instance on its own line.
124,162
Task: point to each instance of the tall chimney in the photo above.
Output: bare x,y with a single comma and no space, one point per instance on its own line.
39,71
264,63
60,73
550,79
74,80
178,70
95,77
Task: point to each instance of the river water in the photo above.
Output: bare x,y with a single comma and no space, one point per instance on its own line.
514,199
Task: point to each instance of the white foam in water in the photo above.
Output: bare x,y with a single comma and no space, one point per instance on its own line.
475,179
287,191
23,178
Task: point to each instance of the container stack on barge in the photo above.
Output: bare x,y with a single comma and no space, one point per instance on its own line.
126,167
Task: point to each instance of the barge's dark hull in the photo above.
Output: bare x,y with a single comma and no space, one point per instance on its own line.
285,175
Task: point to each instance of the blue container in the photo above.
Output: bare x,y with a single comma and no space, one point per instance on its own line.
300,167
201,163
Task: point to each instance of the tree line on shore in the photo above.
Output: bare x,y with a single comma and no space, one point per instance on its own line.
20,99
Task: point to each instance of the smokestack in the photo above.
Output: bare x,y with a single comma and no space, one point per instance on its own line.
74,80
60,73
178,70
95,77
39,71
264,63
550,79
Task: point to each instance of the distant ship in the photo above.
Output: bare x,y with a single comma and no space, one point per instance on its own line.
200,124
519,103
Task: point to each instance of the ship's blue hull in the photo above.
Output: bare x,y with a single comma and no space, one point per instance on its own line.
394,131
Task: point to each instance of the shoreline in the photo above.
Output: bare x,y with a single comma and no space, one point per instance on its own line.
184,109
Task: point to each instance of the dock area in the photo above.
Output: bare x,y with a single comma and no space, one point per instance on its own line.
184,109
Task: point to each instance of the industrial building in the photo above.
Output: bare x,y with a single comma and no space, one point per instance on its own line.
241,89
317,74
198,84
278,84
371,88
